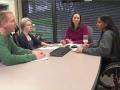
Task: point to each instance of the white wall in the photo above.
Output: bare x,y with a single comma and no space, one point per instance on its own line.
14,6
10,3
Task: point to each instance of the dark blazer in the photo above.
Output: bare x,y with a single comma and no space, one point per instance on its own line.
23,42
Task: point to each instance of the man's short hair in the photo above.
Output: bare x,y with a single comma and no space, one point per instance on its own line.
3,14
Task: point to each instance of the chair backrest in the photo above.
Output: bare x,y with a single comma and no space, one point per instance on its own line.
90,31
15,35
15,38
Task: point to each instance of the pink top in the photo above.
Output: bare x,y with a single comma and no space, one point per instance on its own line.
77,35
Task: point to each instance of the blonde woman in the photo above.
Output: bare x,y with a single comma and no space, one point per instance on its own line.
26,40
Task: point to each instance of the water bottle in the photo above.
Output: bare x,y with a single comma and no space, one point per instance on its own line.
34,27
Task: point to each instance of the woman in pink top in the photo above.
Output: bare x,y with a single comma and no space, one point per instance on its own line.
76,31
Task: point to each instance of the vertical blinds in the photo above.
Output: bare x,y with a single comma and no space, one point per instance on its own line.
40,11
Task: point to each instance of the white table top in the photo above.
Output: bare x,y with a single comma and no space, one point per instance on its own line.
71,72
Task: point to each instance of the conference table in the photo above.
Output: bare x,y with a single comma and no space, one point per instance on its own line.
73,71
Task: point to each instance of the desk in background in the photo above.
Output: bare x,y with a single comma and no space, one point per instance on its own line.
72,72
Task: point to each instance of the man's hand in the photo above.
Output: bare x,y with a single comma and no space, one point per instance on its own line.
38,54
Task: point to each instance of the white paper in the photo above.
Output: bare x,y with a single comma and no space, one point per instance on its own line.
71,44
74,49
46,48
44,58
51,47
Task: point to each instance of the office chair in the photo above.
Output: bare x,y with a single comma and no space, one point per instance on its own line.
15,35
112,74
90,31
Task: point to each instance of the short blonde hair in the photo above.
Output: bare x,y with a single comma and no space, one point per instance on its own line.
23,22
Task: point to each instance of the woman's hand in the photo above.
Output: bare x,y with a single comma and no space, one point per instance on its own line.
85,45
79,50
63,42
44,44
69,41
66,41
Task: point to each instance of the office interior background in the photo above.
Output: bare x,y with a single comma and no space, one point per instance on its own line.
52,17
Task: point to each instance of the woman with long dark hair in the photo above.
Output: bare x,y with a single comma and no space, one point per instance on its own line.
108,46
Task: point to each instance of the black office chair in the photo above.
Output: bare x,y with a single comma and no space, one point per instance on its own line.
112,74
15,35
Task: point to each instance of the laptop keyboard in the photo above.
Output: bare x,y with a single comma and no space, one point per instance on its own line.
61,51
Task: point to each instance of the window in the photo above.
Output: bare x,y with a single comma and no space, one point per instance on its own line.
41,12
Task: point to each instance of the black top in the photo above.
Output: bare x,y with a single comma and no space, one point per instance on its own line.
24,43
